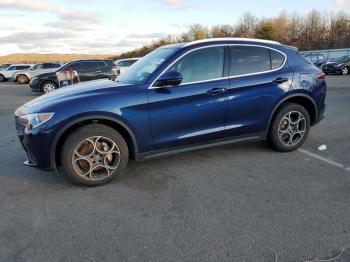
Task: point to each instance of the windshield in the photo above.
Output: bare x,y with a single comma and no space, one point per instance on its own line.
143,68
339,59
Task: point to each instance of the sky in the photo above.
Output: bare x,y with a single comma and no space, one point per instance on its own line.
116,26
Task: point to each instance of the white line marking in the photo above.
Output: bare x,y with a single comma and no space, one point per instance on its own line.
324,159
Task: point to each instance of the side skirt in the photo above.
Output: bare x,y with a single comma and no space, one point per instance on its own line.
176,150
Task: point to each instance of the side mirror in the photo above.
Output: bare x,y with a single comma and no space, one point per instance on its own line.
171,78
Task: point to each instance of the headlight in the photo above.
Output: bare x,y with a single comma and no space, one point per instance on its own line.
34,120
34,81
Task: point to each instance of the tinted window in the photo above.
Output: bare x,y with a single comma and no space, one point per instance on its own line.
200,65
74,66
248,60
37,67
11,68
101,64
49,66
90,65
277,59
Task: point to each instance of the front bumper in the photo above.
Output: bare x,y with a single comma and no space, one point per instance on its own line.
36,144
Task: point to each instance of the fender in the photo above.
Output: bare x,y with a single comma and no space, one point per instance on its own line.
84,118
285,99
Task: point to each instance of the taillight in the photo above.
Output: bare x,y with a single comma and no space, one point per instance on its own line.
321,75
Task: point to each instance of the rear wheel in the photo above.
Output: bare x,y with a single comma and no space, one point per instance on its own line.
290,127
22,79
94,155
48,87
345,70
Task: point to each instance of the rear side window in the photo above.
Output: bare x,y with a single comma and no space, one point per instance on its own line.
252,59
248,60
49,66
200,65
90,65
277,59
101,64
22,67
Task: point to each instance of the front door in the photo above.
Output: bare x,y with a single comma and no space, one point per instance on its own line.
194,111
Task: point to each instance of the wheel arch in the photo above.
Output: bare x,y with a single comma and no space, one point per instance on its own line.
301,99
116,124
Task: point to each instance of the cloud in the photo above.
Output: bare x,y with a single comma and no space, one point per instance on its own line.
173,2
147,35
41,6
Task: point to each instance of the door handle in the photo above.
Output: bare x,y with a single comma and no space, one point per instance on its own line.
216,91
280,80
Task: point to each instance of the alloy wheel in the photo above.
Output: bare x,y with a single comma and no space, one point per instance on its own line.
292,128
345,71
96,158
49,87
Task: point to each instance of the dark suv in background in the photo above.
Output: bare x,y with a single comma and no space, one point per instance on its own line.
87,70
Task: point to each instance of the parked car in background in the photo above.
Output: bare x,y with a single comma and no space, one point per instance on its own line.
4,66
23,77
177,98
317,59
339,65
124,64
87,70
7,73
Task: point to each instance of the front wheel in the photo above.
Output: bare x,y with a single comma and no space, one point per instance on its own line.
48,87
290,127
345,71
2,78
94,155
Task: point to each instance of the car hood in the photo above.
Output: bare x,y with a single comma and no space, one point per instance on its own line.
68,93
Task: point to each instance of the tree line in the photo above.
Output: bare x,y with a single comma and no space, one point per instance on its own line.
316,30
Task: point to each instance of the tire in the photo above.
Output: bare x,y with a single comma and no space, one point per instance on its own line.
48,87
345,70
2,78
82,158
22,79
285,135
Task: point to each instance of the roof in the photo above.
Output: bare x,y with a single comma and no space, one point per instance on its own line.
233,39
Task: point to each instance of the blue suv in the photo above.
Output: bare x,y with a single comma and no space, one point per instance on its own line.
179,97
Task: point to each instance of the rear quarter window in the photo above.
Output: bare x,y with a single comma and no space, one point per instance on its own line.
277,59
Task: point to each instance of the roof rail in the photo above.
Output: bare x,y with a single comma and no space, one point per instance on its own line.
232,39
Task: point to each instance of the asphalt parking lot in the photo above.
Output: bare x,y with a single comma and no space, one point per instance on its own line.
233,203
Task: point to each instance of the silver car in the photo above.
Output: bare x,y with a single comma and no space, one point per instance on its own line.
23,77
124,64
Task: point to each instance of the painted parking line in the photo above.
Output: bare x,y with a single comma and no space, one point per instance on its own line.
324,159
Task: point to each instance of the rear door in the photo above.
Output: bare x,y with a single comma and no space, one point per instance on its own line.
194,111
259,76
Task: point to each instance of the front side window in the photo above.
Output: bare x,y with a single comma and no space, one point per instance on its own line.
143,68
74,66
201,65
11,68
37,67
253,59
